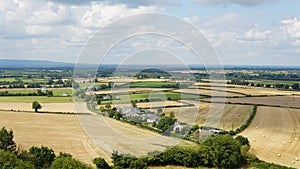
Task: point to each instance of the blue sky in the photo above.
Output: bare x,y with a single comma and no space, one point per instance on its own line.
255,32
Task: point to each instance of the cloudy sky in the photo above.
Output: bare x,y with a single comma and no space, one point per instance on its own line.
241,31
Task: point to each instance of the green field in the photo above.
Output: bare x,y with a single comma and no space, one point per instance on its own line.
56,92
273,82
8,79
29,99
152,84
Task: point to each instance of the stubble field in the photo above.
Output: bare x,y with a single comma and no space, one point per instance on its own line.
274,135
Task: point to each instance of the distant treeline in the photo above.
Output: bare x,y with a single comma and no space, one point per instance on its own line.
38,93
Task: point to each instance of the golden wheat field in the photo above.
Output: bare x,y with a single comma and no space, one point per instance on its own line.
274,135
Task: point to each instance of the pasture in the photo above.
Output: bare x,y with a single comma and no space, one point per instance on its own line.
30,99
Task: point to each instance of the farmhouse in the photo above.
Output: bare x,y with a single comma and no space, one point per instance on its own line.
129,111
65,95
107,97
151,118
179,127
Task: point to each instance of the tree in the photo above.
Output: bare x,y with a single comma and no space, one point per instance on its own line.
139,163
108,105
68,163
36,105
42,157
101,108
6,140
133,103
242,140
9,160
49,93
165,123
159,110
172,115
226,151
101,163
295,86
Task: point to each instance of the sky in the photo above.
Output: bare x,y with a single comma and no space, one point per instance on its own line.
242,32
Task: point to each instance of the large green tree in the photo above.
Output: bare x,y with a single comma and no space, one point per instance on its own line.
36,105
42,157
6,140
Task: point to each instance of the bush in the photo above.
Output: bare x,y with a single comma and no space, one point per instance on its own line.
41,157
9,160
68,163
101,163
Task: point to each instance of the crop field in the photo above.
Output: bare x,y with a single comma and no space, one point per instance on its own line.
225,117
111,135
208,92
46,107
255,91
30,99
160,104
274,135
62,133
283,101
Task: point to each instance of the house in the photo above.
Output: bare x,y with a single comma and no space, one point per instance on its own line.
129,111
203,132
65,95
178,127
107,97
151,118
44,88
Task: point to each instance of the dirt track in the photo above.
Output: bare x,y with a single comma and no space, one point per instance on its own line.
276,131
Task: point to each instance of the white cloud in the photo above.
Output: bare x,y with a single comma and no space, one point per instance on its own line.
100,15
48,28
238,2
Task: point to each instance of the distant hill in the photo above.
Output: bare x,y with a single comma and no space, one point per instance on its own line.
10,63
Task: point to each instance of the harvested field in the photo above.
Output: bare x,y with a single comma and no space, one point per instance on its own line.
284,101
215,115
160,104
150,105
62,133
274,135
255,91
111,135
207,92
46,107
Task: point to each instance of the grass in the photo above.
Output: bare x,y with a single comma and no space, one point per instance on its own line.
29,99
152,84
8,79
273,82
59,92
56,92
